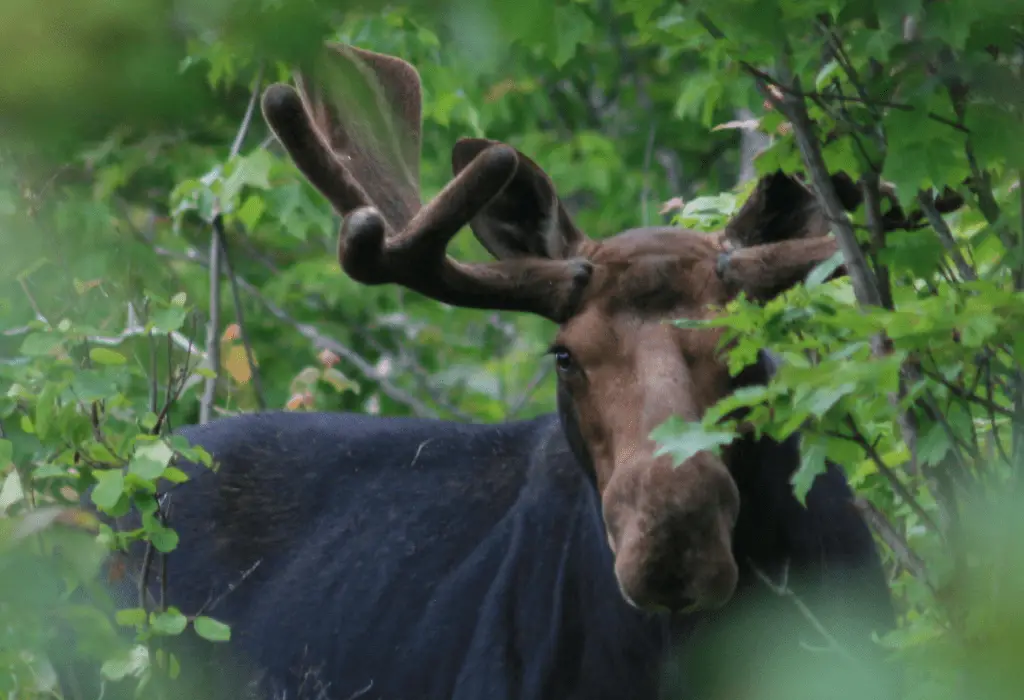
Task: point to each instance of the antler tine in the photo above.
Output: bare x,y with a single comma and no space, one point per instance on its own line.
416,257
289,119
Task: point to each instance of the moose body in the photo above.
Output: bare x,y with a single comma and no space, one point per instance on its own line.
561,557
417,558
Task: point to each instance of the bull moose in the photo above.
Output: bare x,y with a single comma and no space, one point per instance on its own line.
546,559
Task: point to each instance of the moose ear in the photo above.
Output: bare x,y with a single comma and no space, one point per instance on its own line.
781,208
776,238
526,220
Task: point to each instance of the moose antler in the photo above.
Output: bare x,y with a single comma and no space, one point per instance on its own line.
366,163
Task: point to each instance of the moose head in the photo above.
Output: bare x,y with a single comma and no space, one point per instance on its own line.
621,369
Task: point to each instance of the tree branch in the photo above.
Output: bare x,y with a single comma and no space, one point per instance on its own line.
218,232
894,481
212,335
945,235
897,544
314,335
870,188
213,326
865,286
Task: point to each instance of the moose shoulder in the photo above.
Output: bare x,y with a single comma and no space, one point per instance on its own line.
546,559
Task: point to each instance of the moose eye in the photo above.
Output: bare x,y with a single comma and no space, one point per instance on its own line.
563,359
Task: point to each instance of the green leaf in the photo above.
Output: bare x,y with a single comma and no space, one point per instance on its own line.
147,421
6,452
992,135
157,451
169,320
251,211
93,385
45,410
338,380
823,270
175,475
574,28
106,356
933,444
131,617
908,171
39,344
109,487
11,491
252,171
118,668
212,630
146,467
812,463
682,440
163,538
168,623
978,328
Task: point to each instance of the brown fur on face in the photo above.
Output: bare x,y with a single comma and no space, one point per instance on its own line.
627,369
670,529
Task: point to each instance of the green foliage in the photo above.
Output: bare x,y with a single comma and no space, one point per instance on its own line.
919,398
74,423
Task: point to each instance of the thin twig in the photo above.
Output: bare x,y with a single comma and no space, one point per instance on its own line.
945,235
218,232
539,376
648,151
783,590
212,603
213,326
996,433
865,286
419,373
870,188
314,335
894,481
820,97
895,541
32,300
212,335
154,390
966,395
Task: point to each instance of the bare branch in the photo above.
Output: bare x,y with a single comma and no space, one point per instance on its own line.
648,152
896,543
212,334
418,372
945,235
894,481
864,284
520,402
32,300
870,187
218,231
783,590
213,326
314,335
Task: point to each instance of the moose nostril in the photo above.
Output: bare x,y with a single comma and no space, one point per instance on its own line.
674,599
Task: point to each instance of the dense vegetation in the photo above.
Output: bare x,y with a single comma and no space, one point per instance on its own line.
133,163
